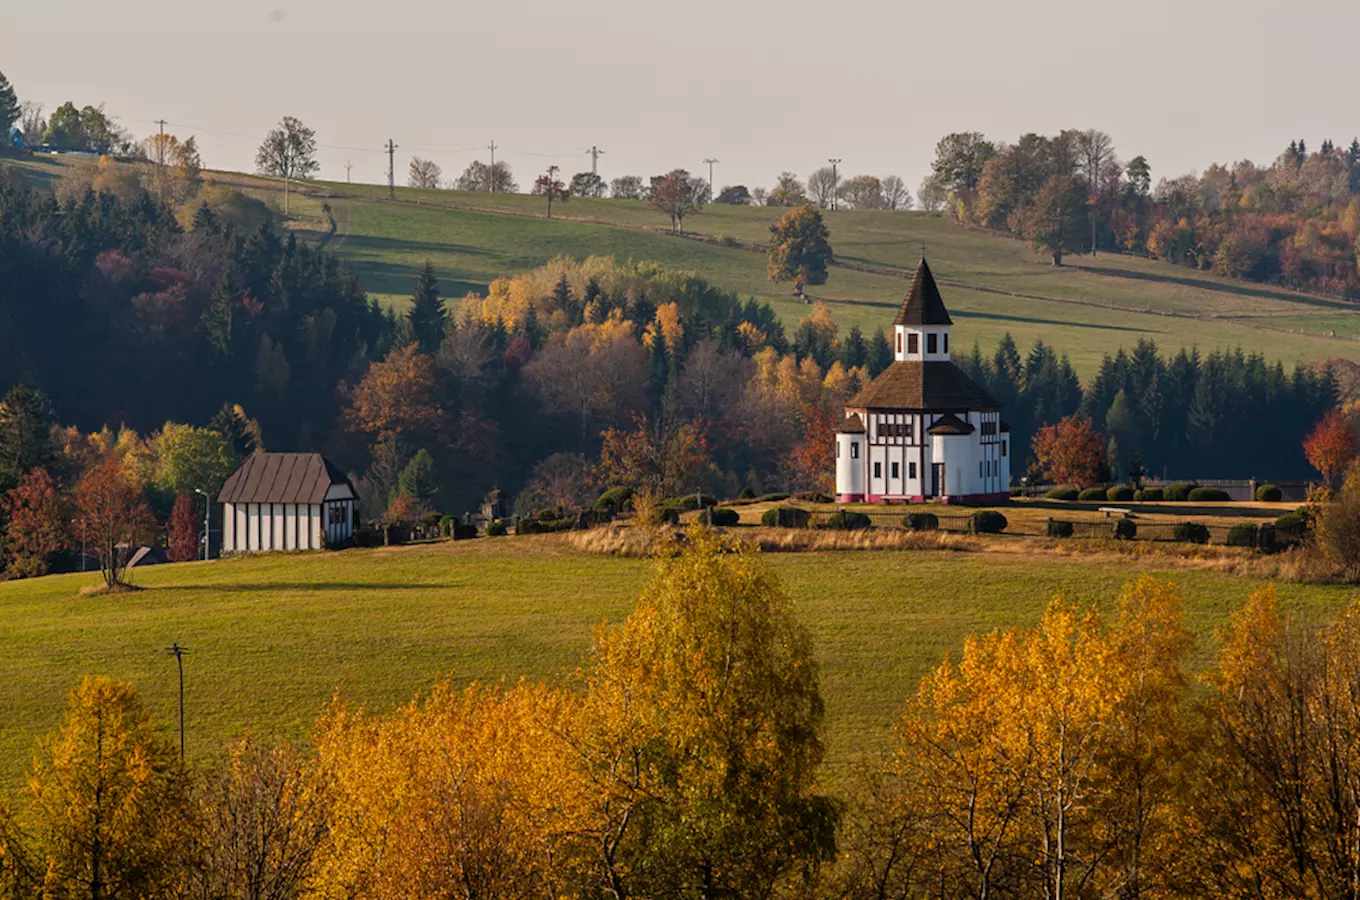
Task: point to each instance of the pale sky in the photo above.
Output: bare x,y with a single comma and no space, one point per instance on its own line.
763,86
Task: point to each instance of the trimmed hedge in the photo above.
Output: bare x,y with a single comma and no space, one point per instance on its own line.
615,498
1057,529
540,525
921,521
773,498
463,532
813,497
785,517
1242,536
1063,494
1179,491
1209,495
691,502
847,521
1092,493
496,528
1120,493
987,521
747,494
724,518
1148,495
1269,493
1191,533
1125,529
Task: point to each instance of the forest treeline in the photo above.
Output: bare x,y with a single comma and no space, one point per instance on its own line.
1294,222
684,758
120,313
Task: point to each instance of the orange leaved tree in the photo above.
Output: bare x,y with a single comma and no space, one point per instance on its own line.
111,517
1070,452
1330,446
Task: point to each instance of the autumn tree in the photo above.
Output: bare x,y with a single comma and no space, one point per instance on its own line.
107,798
111,517
1056,221
814,458
184,529
800,248
423,173
678,194
426,315
662,457
185,458
37,525
241,432
788,191
734,195
865,192
700,731
1070,452
550,186
397,397
260,819
288,152
959,158
1330,447
594,376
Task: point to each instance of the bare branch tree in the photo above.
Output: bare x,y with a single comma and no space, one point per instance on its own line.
424,173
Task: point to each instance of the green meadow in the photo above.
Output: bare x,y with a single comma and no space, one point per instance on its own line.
271,639
993,284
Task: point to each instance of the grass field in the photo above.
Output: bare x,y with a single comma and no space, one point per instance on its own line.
271,638
993,284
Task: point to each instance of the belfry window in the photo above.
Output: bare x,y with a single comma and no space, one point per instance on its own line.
899,342
932,342
913,343
946,342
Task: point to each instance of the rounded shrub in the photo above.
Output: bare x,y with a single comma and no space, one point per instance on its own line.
1149,495
1179,491
614,499
1063,494
1191,533
785,517
747,494
496,528
1209,495
463,532
773,498
1059,529
1242,536
669,515
724,518
1269,493
813,497
1092,493
690,502
921,521
987,521
847,521
1120,493
1295,523
446,526
1125,529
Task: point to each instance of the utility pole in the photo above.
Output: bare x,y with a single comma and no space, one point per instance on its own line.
348,166
491,173
552,187
835,181
712,188
160,143
391,149
595,154
178,653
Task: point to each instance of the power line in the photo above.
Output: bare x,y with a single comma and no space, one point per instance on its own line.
178,652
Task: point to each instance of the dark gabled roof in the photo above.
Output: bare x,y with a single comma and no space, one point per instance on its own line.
853,424
925,386
282,478
950,424
923,305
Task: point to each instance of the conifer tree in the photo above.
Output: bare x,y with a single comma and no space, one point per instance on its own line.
9,108
879,354
854,349
427,310
25,421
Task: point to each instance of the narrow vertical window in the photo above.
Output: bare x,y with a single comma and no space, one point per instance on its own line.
913,343
1003,446
946,342
932,342
854,449
899,342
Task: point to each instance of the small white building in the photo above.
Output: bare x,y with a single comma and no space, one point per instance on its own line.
922,430
286,501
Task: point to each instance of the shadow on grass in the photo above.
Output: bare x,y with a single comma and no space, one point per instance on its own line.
282,587
1246,289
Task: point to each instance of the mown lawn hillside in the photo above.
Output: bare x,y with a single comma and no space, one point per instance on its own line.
993,284
271,638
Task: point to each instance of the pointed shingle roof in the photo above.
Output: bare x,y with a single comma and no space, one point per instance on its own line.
923,305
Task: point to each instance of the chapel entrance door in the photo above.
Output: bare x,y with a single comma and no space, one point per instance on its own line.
937,479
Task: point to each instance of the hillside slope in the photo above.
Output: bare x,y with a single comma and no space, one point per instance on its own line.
993,284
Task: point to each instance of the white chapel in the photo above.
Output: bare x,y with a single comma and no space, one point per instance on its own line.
922,430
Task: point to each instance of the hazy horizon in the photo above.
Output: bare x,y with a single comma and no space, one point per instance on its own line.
761,87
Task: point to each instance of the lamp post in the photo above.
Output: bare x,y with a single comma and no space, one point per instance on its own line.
207,518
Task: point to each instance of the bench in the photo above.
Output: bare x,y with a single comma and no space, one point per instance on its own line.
1116,510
